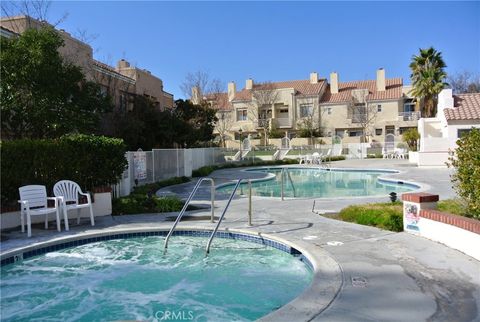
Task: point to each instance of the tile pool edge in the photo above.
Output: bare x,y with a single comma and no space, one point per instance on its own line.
327,278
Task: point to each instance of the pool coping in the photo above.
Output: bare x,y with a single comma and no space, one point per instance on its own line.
419,186
326,283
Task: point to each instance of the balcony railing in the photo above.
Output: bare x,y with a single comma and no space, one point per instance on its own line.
408,116
283,122
279,122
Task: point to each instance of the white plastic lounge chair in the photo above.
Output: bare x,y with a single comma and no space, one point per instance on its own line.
70,193
34,202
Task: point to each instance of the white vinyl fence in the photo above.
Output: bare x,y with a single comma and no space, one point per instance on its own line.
150,166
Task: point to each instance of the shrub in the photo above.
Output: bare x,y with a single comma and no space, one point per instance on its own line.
89,160
141,204
466,178
153,187
453,206
383,215
411,137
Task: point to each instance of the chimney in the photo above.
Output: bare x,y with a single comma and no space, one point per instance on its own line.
445,99
122,63
195,95
334,83
313,78
232,89
249,84
381,79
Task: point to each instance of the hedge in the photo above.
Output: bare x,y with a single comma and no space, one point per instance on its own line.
91,161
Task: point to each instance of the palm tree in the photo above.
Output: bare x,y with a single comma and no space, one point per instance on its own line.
428,79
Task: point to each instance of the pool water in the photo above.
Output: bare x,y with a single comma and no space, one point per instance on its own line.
321,183
131,279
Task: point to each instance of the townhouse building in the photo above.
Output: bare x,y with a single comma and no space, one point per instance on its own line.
122,82
371,110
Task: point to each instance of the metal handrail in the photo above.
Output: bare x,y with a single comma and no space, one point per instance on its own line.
207,249
291,182
182,212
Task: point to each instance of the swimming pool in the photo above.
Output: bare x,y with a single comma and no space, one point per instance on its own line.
131,279
323,183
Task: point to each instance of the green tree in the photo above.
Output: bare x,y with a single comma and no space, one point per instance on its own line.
147,127
428,79
466,178
197,123
411,137
41,94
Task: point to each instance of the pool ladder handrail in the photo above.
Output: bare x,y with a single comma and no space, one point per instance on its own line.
209,243
182,212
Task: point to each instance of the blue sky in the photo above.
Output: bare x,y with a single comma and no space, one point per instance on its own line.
273,41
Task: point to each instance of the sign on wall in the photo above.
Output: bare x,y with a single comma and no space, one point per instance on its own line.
411,216
140,165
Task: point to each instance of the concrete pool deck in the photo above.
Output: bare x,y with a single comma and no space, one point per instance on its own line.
385,276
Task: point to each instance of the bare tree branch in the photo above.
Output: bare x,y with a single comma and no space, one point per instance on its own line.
361,112
464,82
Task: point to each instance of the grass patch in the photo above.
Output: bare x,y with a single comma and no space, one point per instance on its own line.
262,153
382,215
143,200
453,206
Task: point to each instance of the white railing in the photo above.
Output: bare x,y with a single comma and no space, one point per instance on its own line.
408,116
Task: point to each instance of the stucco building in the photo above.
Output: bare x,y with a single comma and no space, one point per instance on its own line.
121,82
374,110
456,116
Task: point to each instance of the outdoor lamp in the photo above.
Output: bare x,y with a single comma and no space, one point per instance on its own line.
393,196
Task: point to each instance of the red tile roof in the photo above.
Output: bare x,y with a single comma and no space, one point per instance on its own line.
221,103
393,90
467,107
301,87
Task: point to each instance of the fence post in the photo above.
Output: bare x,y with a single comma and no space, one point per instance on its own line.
212,191
250,202
282,177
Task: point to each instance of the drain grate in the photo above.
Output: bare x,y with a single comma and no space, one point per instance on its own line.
359,281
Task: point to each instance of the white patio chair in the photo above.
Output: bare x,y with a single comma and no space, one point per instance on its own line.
316,158
70,193
302,159
386,154
308,159
34,202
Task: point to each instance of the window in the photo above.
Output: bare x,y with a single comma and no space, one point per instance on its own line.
404,129
123,101
355,133
379,108
378,131
328,110
409,106
283,110
103,90
306,110
390,129
462,132
241,115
